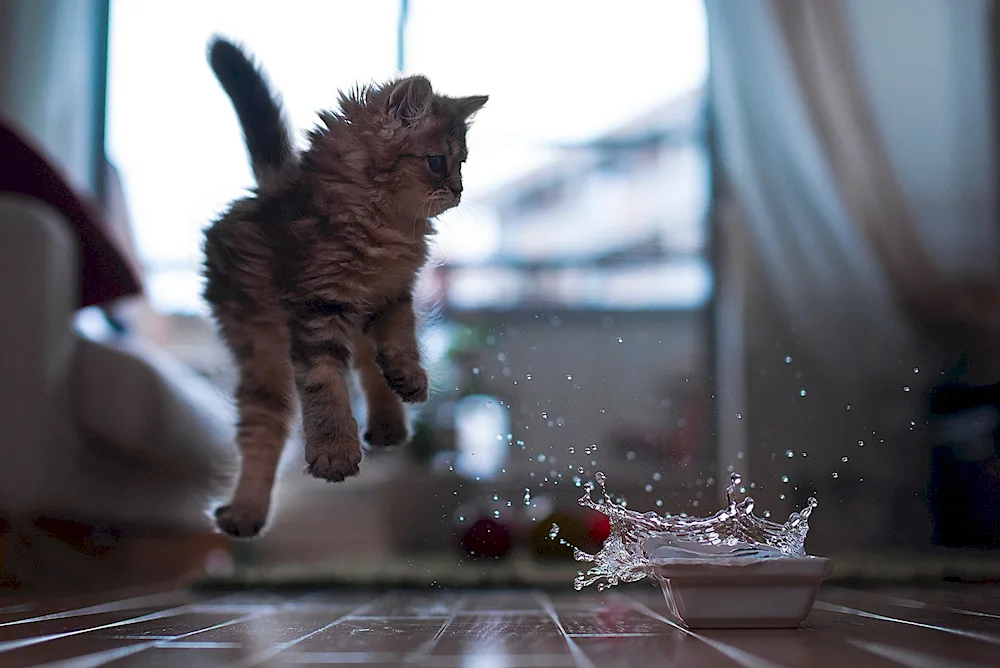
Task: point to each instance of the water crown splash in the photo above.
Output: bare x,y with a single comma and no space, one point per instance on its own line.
637,539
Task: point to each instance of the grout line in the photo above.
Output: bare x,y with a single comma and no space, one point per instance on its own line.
615,635
277,648
10,645
909,658
424,651
101,658
21,607
114,606
180,644
579,656
740,656
844,610
913,604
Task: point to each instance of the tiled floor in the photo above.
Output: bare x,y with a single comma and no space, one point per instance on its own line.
948,625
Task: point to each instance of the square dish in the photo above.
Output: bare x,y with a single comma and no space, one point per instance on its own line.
741,592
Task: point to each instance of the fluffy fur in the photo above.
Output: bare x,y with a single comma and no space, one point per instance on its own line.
314,272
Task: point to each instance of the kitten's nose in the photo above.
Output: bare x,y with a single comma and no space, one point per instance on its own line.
456,189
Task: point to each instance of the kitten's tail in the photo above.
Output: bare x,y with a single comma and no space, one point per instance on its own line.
259,109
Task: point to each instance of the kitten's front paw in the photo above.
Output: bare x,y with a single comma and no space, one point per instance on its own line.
410,385
240,521
404,376
336,461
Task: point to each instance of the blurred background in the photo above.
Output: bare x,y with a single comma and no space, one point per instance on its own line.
699,237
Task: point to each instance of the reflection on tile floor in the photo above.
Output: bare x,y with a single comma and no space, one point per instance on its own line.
947,625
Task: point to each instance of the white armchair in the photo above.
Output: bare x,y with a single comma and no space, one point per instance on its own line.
99,430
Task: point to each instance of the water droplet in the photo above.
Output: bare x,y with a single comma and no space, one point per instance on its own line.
788,360
569,377
843,459
630,456
789,454
861,444
496,513
553,531
659,503
527,376
836,475
657,476
848,407
648,488
916,370
571,450
545,416
906,388
782,497
767,513
475,371
540,458
579,469
739,416
619,339
784,479
802,393
496,497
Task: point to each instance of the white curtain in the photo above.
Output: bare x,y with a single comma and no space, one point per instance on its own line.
52,63
856,139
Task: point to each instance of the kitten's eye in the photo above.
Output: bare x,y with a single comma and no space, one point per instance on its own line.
437,164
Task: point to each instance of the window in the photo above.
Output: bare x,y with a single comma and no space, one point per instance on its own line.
573,282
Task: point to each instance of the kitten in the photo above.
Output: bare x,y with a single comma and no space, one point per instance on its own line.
315,270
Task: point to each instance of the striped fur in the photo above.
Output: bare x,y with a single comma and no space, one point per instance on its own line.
313,273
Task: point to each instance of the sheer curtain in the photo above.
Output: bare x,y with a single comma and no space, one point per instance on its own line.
53,56
856,140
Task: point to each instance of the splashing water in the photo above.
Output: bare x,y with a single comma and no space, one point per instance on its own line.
628,554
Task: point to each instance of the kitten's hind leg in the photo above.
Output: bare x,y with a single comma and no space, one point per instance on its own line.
264,400
387,421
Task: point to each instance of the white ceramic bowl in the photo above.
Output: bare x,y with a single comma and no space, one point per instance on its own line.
740,592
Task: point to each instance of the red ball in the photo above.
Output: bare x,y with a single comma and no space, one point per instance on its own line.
598,527
487,539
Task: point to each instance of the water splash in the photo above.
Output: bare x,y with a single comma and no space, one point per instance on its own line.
627,554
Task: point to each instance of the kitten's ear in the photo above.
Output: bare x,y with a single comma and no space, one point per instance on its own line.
410,99
466,107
